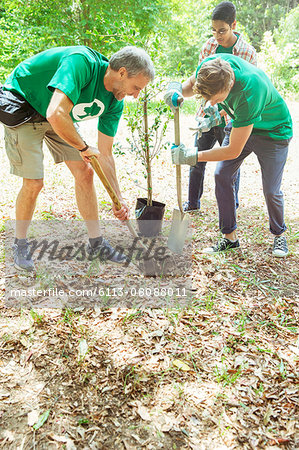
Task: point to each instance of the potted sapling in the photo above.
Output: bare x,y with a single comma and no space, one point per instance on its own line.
147,120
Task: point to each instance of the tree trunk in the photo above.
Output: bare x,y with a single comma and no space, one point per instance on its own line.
147,152
86,16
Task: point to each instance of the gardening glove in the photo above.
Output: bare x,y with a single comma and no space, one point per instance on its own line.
173,96
207,123
210,110
182,155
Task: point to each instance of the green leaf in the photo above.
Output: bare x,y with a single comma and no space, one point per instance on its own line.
42,419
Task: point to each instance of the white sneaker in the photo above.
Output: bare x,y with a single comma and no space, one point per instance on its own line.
280,247
222,246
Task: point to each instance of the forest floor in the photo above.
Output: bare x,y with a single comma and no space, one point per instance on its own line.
219,373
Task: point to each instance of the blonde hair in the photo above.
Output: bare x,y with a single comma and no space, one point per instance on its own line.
213,77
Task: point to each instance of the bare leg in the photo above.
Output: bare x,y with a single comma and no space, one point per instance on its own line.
25,205
86,196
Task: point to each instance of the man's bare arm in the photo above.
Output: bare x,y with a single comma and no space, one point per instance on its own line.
105,144
188,86
58,115
237,141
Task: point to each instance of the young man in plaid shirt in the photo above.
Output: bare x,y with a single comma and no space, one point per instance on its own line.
224,40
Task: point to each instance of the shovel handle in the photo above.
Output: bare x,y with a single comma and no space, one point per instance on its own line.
177,141
99,171
176,116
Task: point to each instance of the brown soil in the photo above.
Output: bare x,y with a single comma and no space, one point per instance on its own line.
220,374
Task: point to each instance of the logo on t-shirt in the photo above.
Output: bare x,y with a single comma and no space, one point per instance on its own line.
84,111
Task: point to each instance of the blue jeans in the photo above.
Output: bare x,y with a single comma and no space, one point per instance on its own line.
272,156
197,172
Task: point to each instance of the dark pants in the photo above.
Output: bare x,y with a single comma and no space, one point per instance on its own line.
272,156
197,173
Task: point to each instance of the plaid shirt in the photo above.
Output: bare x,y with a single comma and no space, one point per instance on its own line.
241,49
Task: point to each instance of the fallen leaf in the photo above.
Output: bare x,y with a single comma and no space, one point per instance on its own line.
65,440
57,438
8,435
181,365
157,333
267,415
83,349
143,413
33,417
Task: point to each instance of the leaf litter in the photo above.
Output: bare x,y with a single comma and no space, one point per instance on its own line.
222,374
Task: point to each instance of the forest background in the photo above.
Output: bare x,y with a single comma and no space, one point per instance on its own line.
173,32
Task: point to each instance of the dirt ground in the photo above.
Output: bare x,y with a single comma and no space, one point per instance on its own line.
221,373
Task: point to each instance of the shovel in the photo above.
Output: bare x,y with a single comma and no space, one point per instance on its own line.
179,226
99,171
150,267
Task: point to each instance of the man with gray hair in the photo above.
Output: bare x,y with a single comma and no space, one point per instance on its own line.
42,100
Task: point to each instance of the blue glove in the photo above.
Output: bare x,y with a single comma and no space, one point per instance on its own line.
182,155
173,96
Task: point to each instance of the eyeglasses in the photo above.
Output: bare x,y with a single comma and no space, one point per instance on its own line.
221,32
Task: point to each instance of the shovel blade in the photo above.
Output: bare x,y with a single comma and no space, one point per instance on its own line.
178,232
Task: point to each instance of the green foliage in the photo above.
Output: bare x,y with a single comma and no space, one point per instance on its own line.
188,30
147,120
260,16
279,56
173,31
27,27
159,117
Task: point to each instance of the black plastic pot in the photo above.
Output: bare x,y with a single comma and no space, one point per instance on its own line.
149,218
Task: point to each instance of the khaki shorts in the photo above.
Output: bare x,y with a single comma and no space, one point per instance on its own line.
24,148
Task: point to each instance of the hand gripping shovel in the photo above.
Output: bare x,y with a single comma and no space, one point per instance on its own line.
149,266
179,226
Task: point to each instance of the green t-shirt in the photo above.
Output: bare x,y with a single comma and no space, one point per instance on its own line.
254,100
78,72
221,49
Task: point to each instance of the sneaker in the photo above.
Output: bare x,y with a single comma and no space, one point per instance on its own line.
187,207
104,251
221,246
280,247
22,257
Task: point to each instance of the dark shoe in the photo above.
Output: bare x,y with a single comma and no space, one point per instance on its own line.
187,207
280,247
22,257
104,251
221,246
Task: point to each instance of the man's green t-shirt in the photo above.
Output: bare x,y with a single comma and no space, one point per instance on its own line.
254,100
77,71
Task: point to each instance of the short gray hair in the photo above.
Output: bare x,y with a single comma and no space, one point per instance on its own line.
135,60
